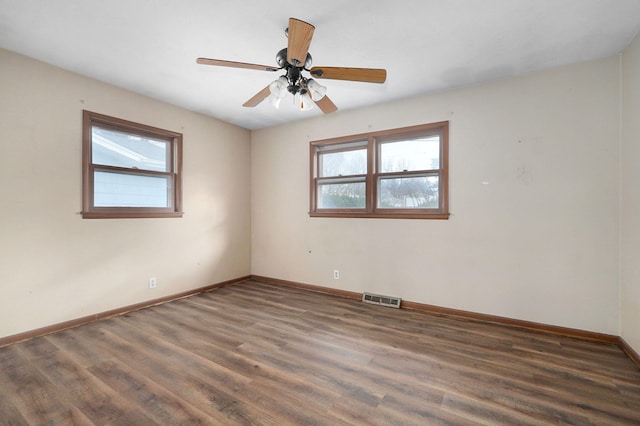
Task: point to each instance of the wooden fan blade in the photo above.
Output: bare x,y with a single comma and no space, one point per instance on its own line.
326,105
258,97
221,63
368,75
300,34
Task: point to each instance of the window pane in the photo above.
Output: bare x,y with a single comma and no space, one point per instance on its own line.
342,196
410,155
127,190
408,192
113,148
343,163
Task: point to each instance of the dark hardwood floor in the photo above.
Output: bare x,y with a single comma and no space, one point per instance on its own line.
255,353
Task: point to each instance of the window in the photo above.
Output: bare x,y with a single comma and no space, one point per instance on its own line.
399,173
129,170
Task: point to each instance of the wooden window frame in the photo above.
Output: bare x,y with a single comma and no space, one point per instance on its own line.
373,142
174,160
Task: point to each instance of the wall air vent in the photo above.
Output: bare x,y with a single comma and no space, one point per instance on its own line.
376,299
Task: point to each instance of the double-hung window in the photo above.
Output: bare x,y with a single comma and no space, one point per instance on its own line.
130,170
399,173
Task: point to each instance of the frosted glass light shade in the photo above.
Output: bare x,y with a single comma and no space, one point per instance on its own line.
305,102
316,89
279,87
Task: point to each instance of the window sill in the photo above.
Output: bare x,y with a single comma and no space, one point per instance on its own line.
129,215
435,216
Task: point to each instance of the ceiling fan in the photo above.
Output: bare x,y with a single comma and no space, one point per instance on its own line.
294,59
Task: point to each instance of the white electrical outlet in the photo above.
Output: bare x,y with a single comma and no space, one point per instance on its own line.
153,282
336,274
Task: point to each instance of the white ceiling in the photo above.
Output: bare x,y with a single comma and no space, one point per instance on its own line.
150,46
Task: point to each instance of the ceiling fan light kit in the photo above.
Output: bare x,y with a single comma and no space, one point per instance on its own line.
294,59
278,88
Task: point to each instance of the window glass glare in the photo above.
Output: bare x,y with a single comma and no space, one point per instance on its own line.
342,195
408,192
130,190
343,163
113,148
410,155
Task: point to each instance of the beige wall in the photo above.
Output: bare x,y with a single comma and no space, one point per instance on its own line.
534,181
55,266
630,302
535,189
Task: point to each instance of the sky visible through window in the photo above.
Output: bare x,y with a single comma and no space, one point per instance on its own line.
126,189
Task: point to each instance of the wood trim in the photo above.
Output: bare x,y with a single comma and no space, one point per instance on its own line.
373,155
435,216
310,287
120,214
631,353
4,341
530,325
444,169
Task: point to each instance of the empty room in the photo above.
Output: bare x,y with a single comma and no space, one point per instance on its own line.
320,213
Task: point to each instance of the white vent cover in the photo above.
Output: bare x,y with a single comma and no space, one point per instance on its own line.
376,299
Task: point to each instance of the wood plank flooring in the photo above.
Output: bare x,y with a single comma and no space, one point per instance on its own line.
258,354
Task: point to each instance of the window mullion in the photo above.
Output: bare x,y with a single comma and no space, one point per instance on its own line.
371,185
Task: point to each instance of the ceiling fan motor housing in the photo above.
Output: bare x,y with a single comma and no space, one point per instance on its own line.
295,78
294,73
281,60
